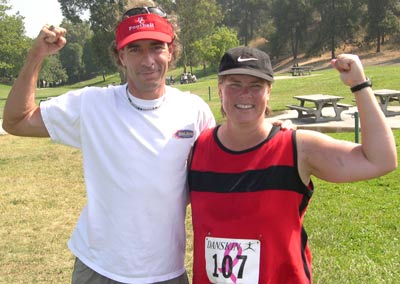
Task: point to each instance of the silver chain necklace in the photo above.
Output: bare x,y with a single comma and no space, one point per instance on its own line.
143,108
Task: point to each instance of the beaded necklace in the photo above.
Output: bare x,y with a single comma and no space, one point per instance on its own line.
143,108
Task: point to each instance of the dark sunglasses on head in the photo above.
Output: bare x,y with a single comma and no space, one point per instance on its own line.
144,10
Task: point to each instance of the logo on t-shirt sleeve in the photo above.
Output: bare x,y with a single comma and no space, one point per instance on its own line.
184,134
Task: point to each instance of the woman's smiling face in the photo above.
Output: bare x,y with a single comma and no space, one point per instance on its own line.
244,98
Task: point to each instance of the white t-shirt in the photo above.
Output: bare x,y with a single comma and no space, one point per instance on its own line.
132,228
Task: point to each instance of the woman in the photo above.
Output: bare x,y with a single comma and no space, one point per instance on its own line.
250,182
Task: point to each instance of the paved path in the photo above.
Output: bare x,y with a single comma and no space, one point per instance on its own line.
347,123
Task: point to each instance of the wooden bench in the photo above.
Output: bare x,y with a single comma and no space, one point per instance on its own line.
385,97
301,70
340,105
303,111
320,102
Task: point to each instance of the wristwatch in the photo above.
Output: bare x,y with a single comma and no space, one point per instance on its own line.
363,85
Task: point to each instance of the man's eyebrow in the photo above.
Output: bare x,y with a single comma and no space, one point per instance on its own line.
132,44
152,43
156,42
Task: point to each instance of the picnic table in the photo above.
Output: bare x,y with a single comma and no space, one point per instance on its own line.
386,96
319,102
301,70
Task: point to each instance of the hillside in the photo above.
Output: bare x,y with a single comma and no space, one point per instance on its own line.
390,56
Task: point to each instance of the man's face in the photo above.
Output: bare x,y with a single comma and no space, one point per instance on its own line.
146,63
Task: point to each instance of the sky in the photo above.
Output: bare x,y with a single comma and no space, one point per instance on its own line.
37,14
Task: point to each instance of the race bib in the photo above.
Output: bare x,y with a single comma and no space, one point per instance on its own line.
232,261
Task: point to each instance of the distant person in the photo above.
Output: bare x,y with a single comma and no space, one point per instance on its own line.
135,139
250,182
193,78
171,80
184,78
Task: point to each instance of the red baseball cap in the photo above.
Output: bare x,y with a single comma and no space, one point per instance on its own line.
143,26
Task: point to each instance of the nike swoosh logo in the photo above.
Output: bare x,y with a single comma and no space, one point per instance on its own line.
240,59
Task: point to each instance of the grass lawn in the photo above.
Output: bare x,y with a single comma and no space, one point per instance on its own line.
353,228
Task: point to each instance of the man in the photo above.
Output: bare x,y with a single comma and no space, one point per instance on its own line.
250,182
134,139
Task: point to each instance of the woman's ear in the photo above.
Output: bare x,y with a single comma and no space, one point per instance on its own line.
220,91
268,91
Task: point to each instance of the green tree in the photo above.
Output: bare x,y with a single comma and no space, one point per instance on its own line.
104,16
197,19
14,43
248,17
71,58
292,20
382,20
337,22
52,72
90,60
213,47
80,33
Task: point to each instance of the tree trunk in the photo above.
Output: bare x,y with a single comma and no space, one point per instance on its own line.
333,47
378,43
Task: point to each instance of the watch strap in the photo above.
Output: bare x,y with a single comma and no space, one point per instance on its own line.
361,86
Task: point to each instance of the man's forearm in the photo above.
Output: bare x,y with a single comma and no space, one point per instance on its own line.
21,114
21,105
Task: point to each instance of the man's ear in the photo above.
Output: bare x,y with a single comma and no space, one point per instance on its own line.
121,57
171,51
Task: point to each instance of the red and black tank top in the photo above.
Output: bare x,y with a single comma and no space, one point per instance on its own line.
247,212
